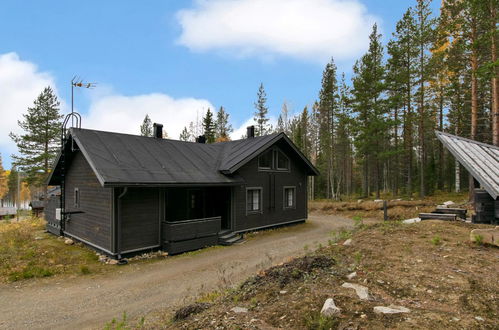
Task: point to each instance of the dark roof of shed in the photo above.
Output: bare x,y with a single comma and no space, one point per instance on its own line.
480,159
124,160
37,204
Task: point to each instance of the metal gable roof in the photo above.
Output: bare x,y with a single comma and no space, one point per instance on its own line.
126,160
480,159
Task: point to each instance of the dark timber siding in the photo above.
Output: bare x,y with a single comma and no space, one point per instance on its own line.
140,225
272,184
94,224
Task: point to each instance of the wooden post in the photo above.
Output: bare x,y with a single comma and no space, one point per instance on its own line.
385,210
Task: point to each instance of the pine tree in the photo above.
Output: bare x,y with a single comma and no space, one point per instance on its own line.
328,105
424,35
260,116
400,79
185,135
39,144
146,127
209,127
372,126
4,187
283,120
222,127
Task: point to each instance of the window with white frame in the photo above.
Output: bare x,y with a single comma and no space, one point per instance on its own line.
254,200
289,197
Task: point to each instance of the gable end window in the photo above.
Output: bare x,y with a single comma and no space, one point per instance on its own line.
289,197
282,161
265,161
254,200
273,160
77,198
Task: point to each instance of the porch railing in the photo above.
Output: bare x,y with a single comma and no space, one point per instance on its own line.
191,229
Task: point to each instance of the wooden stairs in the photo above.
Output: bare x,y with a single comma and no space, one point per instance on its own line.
228,237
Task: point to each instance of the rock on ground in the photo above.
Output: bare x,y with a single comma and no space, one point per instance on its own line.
329,308
239,310
68,241
413,220
488,235
348,242
392,309
351,275
362,291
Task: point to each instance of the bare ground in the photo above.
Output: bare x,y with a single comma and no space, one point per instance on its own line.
137,289
429,267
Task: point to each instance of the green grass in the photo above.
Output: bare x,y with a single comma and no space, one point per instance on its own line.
436,240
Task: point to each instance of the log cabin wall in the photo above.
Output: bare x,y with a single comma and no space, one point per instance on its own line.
272,184
93,225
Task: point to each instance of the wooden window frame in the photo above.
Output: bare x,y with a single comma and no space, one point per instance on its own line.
284,199
281,169
260,211
264,168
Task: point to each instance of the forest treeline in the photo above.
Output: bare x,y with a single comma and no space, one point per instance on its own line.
376,133
371,135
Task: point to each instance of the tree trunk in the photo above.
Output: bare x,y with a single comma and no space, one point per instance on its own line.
396,165
495,101
440,145
474,96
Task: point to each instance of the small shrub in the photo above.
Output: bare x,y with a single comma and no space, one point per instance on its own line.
117,324
317,321
478,239
358,257
436,240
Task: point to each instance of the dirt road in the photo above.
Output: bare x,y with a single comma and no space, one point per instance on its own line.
91,301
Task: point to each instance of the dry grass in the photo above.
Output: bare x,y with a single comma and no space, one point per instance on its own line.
397,209
446,283
26,252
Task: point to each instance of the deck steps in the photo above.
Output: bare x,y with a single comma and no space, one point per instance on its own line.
437,216
229,238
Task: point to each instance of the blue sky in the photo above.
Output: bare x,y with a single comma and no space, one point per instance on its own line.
172,59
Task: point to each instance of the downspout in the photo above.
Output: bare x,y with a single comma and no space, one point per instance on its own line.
118,230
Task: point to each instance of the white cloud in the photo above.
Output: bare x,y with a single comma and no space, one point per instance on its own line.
20,83
310,29
124,114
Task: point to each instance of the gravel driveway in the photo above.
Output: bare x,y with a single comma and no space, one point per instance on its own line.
91,301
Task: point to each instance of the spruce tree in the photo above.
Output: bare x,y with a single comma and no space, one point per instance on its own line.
260,116
209,127
185,135
222,128
146,127
39,143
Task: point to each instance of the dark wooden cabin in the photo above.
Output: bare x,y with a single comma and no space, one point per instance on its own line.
125,193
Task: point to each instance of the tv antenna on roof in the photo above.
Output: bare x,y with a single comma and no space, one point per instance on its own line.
78,82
